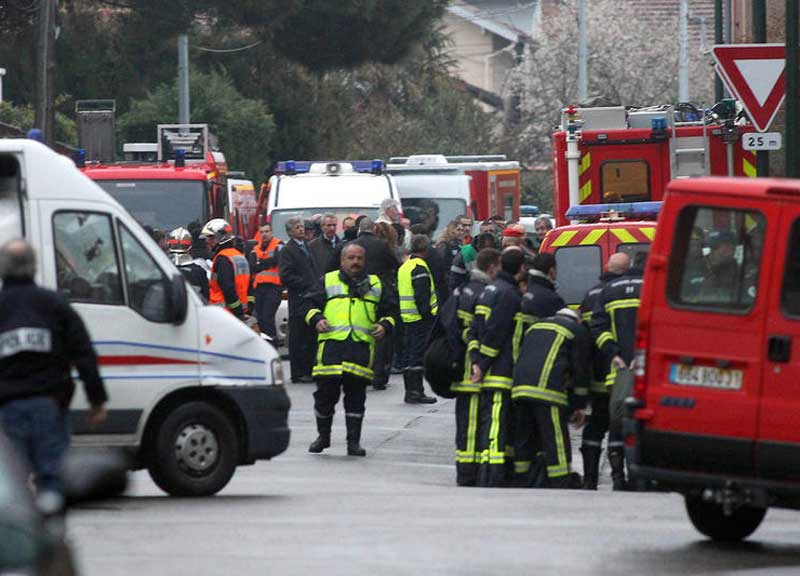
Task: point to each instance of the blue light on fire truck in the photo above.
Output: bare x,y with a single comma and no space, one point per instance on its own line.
79,157
637,209
659,123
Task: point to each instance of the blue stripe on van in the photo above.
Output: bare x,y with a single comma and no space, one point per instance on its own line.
176,349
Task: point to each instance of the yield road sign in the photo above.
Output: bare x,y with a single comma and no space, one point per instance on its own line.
755,74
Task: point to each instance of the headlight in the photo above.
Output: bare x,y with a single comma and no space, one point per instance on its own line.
276,366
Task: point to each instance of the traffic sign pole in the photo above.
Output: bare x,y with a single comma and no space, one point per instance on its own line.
792,92
760,37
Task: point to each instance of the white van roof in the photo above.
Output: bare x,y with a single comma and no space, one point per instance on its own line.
325,191
52,176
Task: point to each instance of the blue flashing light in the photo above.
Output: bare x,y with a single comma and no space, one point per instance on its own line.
304,166
36,134
79,157
659,123
180,158
377,166
590,211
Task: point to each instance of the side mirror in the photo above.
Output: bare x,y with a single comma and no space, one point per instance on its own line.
179,299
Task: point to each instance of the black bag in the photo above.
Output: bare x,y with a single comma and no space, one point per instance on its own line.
440,367
623,387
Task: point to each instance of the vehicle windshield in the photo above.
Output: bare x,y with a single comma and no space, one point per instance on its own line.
161,204
434,212
278,218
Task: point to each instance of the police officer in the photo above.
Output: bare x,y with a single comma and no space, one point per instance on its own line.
461,338
179,244
614,332
418,309
551,383
267,287
493,366
597,423
41,339
230,272
350,314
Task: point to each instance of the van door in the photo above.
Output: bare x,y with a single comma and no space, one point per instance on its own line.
706,327
778,447
105,270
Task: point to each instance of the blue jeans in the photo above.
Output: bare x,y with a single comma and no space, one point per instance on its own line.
38,428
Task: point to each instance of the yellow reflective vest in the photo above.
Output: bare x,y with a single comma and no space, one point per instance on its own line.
405,288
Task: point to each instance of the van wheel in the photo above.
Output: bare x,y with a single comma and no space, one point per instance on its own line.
709,520
194,451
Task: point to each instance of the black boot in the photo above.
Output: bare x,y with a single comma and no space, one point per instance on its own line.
354,436
415,393
591,466
324,438
616,458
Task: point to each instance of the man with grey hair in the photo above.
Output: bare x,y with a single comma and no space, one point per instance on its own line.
299,276
419,307
390,211
41,339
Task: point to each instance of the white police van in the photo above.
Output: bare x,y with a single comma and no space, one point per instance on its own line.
304,189
193,392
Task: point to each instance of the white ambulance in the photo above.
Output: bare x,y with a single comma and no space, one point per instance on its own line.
193,392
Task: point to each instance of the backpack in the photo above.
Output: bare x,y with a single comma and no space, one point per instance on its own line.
441,366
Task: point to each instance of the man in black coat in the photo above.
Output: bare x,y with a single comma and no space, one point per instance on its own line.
299,276
381,261
41,339
325,245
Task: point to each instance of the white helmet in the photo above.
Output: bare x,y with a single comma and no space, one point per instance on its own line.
179,241
218,230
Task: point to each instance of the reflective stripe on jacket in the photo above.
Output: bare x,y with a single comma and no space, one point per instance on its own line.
241,270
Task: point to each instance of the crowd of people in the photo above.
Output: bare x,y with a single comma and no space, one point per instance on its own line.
369,302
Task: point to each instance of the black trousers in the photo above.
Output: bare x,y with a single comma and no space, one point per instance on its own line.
416,338
494,435
467,457
541,428
383,358
597,425
327,396
268,298
302,347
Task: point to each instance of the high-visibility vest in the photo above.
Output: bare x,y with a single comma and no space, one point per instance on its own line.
241,271
270,275
405,287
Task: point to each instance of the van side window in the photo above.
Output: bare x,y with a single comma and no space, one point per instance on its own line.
86,259
625,181
716,258
636,251
147,284
578,268
790,293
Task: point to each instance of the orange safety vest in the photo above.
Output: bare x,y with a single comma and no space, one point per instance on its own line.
270,275
241,271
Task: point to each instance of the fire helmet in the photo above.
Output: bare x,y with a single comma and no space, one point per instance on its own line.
179,241
217,230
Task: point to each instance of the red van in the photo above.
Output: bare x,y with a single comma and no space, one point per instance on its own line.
715,412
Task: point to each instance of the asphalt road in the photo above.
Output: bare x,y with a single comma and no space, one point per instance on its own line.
397,511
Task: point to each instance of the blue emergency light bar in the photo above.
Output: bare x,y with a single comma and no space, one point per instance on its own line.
304,166
589,211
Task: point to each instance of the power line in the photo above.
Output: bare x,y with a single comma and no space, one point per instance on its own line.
227,50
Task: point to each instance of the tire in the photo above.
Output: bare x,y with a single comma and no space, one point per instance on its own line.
194,451
710,521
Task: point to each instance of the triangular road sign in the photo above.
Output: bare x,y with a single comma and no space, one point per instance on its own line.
756,75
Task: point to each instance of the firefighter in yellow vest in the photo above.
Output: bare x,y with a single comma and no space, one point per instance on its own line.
267,287
418,310
230,272
350,313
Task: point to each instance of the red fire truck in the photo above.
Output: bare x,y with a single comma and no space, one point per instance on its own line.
494,184
612,154
174,182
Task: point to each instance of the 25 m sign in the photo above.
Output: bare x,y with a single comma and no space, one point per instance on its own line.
762,141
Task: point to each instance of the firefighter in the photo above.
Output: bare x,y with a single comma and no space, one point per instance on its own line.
487,264
541,299
418,309
597,423
614,331
493,366
551,382
230,272
350,312
179,243
267,286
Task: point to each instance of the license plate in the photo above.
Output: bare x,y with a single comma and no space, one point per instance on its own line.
706,377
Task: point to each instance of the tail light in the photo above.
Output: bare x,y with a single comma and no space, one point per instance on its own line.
640,366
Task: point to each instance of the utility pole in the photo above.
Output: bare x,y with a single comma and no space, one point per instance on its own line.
2,73
760,37
183,79
683,60
44,117
718,94
792,145
583,53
